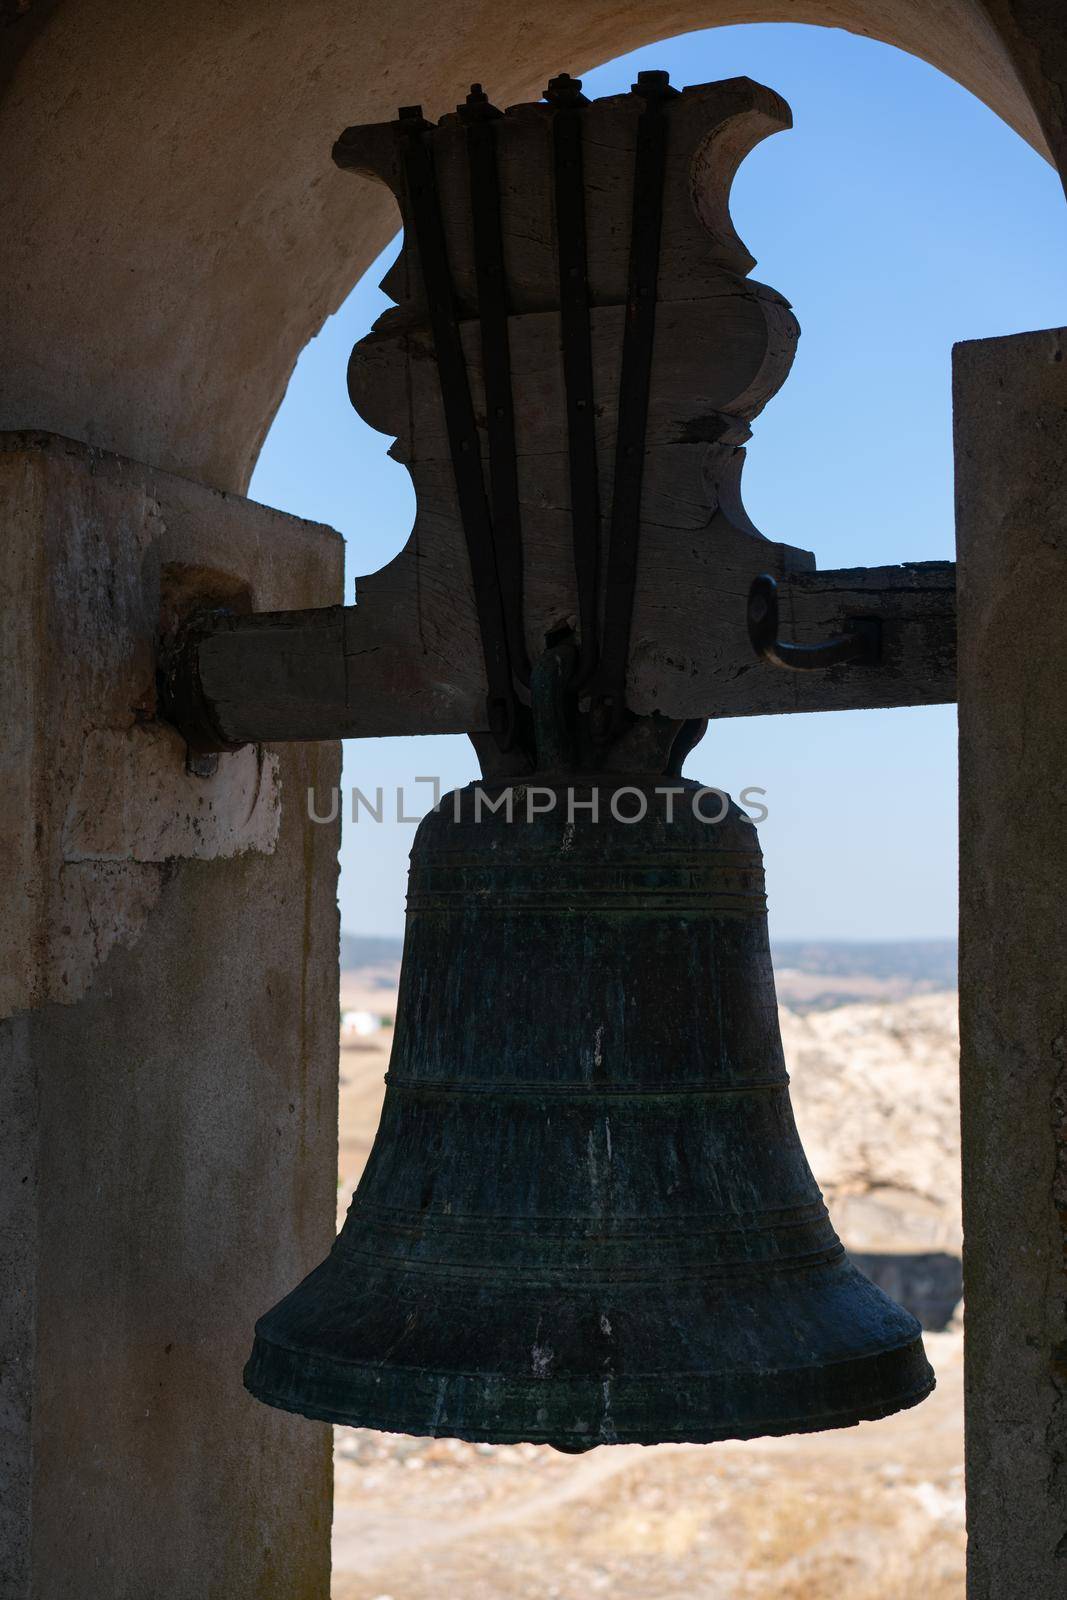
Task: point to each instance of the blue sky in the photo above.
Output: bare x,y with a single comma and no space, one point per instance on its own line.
899,215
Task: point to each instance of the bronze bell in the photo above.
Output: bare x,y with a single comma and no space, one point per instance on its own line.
587,1217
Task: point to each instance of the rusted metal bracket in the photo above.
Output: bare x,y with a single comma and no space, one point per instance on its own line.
861,645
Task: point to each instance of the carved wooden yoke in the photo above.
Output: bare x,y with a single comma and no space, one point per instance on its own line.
569,372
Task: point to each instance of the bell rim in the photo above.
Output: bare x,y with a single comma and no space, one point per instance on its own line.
912,1351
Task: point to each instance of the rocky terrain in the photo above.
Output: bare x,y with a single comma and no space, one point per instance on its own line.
871,1513
876,1095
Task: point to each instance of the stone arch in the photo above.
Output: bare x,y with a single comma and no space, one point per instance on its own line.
176,231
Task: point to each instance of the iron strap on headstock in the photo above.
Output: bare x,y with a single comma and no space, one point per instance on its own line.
464,443
609,684
494,543
478,116
568,171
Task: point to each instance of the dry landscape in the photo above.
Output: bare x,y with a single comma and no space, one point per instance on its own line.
869,1513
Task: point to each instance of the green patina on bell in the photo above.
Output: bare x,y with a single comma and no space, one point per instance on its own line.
587,1217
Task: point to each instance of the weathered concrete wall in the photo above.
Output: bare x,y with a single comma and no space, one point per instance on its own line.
1011,476
169,1055
175,231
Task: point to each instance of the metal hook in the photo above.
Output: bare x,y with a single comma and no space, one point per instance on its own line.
862,645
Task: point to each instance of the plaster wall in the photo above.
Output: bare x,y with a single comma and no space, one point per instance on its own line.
168,1055
1010,406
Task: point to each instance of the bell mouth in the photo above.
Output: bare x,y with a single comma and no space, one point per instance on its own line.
279,1382
733,1373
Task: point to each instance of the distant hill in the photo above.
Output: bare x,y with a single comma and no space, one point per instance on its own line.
817,975
931,962
811,974
368,950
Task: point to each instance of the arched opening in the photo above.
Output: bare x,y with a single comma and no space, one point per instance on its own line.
878,239
174,238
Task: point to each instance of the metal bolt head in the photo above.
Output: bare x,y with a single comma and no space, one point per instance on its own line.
653,85
564,90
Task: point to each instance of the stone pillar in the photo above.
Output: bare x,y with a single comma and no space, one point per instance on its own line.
1011,510
168,1054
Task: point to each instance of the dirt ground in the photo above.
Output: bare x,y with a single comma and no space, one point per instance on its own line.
868,1513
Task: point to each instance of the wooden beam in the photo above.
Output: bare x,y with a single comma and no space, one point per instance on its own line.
915,605
351,673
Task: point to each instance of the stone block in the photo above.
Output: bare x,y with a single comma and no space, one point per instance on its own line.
168,1049
1010,404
